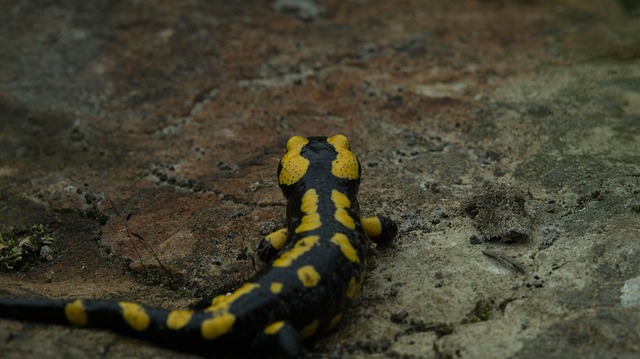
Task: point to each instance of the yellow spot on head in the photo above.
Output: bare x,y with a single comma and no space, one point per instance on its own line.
347,249
273,328
76,313
177,319
335,320
339,141
296,143
341,202
353,288
301,247
346,163
309,330
217,325
135,316
294,166
276,287
308,276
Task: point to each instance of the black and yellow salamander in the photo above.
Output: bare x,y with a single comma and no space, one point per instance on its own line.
317,268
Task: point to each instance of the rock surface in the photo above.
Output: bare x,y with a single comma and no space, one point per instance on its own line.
145,137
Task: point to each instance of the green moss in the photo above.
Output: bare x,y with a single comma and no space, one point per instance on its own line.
483,311
21,246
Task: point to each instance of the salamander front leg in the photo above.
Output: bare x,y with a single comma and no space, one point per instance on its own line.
379,229
271,244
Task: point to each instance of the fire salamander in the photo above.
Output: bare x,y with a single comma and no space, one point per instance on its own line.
317,268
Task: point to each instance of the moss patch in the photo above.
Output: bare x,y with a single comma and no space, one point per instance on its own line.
21,246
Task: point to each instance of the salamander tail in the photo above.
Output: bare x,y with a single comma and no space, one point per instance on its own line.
177,329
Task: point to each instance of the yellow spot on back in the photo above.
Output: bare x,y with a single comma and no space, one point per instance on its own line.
353,288
301,247
273,328
339,199
226,300
222,320
177,319
309,207
276,287
341,202
135,316
217,300
76,313
347,249
278,238
309,330
218,325
343,217
372,226
346,164
294,166
310,201
308,276
309,223
335,320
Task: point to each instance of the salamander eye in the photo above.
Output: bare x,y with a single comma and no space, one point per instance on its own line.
296,142
339,141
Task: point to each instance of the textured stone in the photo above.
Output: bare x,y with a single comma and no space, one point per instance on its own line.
145,136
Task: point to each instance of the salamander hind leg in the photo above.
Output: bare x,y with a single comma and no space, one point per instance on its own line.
287,339
271,244
379,229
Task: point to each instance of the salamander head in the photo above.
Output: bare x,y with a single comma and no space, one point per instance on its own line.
318,156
